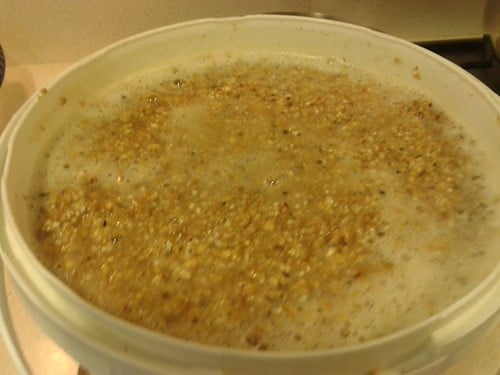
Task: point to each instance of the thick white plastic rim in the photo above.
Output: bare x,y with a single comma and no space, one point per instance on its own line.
34,279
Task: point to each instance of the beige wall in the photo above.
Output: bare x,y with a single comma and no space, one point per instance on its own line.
415,20
41,31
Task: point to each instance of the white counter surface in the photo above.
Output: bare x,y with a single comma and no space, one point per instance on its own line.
46,358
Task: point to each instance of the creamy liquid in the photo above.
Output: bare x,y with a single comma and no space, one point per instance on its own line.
381,217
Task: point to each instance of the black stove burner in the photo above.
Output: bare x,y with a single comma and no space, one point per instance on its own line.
476,56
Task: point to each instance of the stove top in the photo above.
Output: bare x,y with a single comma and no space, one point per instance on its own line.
477,56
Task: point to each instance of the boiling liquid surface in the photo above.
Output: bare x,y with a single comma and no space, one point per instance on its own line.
271,204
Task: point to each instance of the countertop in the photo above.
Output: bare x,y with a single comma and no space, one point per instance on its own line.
46,358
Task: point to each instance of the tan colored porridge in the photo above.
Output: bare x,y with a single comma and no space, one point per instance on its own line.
263,204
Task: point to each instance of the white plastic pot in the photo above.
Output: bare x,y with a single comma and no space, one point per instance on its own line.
109,346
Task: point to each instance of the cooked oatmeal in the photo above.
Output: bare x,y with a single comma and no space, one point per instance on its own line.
262,204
